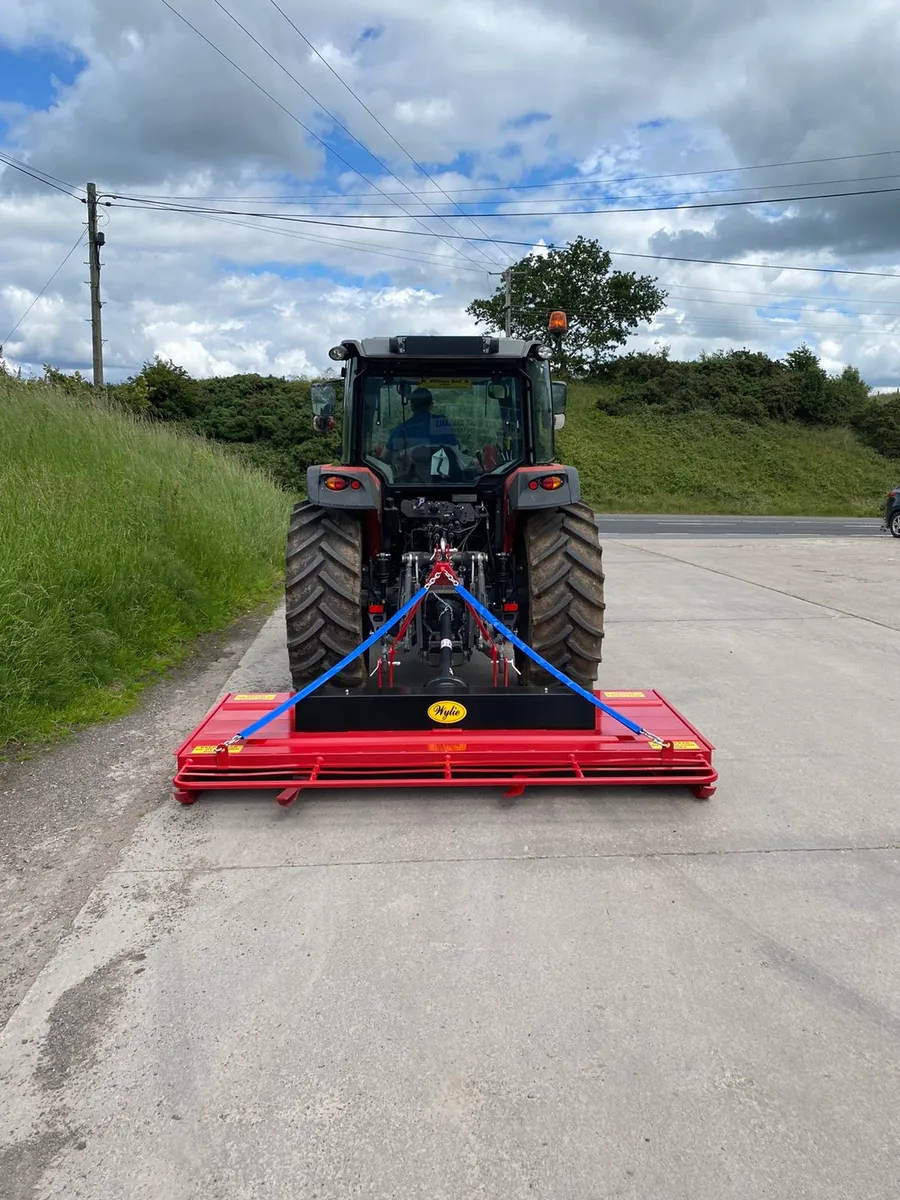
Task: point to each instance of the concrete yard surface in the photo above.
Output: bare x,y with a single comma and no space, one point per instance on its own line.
591,994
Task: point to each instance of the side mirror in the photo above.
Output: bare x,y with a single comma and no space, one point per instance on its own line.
324,402
560,395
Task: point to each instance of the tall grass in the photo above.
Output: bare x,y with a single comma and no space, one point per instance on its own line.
704,463
119,542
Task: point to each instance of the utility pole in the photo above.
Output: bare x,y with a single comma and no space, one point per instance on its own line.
507,279
95,241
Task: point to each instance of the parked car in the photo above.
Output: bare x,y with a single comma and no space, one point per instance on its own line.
892,512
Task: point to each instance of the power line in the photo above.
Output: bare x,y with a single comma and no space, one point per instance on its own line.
50,181
437,260
703,192
353,197
444,261
578,212
778,320
609,212
287,111
530,245
797,162
696,287
788,308
722,262
376,119
797,327
575,182
330,114
81,237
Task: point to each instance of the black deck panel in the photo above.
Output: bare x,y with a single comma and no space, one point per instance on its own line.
391,709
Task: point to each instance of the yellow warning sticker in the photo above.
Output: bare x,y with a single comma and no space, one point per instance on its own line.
447,712
255,696
441,748
626,695
212,749
446,384
676,745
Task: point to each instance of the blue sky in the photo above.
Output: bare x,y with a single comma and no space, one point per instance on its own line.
31,76
481,98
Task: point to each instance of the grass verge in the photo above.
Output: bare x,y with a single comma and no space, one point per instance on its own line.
119,543
702,463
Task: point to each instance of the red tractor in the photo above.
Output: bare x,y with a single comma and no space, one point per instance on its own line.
446,529
447,442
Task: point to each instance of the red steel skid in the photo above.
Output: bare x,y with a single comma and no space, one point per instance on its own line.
280,759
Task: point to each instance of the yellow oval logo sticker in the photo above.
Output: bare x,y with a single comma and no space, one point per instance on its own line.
447,712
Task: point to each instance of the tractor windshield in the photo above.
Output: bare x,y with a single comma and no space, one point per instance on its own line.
419,428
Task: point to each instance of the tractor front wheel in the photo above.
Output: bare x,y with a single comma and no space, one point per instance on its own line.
565,604
323,594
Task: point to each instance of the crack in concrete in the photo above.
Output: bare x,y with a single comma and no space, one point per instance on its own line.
631,855
763,586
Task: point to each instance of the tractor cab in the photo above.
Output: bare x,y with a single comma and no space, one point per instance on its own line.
434,412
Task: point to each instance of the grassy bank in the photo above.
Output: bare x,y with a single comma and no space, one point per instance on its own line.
704,463
119,542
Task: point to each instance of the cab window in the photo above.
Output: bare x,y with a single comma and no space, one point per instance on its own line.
542,398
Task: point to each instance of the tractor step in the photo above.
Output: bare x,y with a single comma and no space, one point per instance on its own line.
501,744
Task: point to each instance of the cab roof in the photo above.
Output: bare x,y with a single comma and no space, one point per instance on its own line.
426,346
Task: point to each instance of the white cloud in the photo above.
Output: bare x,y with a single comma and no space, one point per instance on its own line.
643,88
436,111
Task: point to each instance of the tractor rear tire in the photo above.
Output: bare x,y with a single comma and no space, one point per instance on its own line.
564,622
323,594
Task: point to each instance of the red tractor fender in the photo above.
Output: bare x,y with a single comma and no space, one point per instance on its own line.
353,490
526,490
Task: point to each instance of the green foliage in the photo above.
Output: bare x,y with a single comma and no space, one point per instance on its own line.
708,462
172,395
733,431
268,421
133,396
878,425
70,385
120,540
603,306
737,383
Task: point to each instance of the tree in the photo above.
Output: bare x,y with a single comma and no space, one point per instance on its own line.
824,399
133,396
603,306
171,392
850,396
878,425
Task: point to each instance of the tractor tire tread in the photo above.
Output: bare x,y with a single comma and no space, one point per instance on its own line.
564,563
323,594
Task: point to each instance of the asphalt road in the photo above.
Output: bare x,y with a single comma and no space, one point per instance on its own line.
623,993
624,525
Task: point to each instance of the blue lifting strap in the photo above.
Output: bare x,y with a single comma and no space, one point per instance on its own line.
542,662
332,671
486,615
